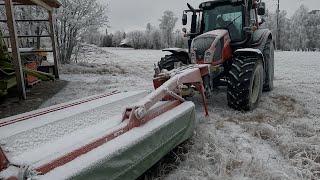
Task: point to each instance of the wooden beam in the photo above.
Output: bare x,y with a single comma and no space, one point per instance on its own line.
15,49
42,4
29,36
27,20
54,45
51,3
4,162
31,51
14,4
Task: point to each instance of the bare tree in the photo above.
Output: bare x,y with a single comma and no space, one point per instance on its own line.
137,39
156,39
167,24
28,27
74,19
92,37
300,19
179,40
117,38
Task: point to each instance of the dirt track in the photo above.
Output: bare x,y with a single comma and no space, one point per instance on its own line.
36,96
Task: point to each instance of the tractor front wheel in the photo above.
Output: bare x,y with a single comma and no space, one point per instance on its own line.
168,62
245,83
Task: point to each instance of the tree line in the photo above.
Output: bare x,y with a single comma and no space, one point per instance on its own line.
153,37
297,33
301,32
79,21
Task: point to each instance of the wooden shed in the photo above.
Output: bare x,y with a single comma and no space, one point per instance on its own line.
49,6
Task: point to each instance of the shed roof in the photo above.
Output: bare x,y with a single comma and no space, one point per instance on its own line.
314,12
50,3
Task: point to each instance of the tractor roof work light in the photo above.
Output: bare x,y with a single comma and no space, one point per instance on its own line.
211,3
208,4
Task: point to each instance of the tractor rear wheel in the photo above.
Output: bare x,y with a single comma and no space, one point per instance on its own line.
245,83
268,53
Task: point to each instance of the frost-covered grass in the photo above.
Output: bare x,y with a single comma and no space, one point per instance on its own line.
92,68
101,70
278,140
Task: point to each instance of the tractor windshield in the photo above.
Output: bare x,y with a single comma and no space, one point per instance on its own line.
224,17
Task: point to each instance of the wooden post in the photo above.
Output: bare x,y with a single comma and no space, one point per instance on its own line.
278,46
15,49
3,160
54,48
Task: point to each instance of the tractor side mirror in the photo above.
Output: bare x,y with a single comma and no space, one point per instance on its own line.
184,19
262,9
262,21
184,30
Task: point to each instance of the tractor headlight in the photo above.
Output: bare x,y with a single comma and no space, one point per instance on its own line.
208,57
193,57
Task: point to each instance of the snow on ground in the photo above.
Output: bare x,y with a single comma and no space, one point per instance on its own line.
278,140
107,69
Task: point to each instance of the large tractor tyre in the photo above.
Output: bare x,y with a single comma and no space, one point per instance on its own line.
268,53
245,83
169,61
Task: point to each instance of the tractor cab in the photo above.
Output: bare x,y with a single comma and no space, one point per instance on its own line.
224,16
238,17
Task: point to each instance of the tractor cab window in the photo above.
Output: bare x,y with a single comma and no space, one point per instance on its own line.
225,17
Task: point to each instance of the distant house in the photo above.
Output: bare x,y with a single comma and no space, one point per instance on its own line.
315,12
125,43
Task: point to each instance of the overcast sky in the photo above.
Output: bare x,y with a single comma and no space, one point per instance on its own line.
128,15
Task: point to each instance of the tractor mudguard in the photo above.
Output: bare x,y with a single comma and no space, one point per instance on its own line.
260,38
250,52
179,51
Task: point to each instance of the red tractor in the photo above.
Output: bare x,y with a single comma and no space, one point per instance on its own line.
226,35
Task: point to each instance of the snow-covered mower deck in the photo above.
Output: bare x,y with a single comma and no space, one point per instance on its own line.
93,138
